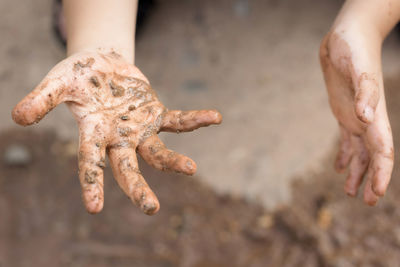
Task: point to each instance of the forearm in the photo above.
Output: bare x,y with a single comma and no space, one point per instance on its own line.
358,32
101,24
373,18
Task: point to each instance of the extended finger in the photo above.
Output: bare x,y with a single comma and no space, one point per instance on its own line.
345,151
91,164
382,166
358,166
125,168
381,146
186,121
154,152
46,96
369,196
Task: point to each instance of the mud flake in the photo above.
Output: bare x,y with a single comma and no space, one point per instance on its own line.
95,81
116,90
101,163
79,65
90,177
124,131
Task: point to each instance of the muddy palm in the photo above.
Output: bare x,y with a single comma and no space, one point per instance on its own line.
118,113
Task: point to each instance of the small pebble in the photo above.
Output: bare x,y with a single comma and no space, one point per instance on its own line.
265,221
324,219
17,155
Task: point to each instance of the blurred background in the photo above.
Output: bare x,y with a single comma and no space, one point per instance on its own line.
265,193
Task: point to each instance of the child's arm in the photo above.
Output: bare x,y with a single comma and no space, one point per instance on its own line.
350,57
117,111
107,24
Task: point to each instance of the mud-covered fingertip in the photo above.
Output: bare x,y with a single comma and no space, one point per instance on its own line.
94,206
146,200
93,199
217,116
20,117
190,167
150,206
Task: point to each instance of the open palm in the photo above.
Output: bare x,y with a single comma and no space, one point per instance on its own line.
118,113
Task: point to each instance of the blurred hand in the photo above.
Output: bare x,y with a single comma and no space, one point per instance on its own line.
117,112
352,70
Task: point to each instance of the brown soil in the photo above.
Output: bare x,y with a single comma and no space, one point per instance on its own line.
43,222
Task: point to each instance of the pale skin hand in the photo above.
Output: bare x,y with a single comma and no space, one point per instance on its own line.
350,59
118,113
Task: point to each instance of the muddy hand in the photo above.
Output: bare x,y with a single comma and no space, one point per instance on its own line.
118,113
353,77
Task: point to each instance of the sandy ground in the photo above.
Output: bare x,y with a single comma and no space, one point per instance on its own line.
256,61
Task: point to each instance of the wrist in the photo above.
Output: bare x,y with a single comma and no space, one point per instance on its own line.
369,18
126,51
359,34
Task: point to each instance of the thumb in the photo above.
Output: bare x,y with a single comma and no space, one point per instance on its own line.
367,93
46,96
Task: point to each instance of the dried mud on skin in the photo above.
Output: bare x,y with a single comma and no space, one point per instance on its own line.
103,92
44,224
